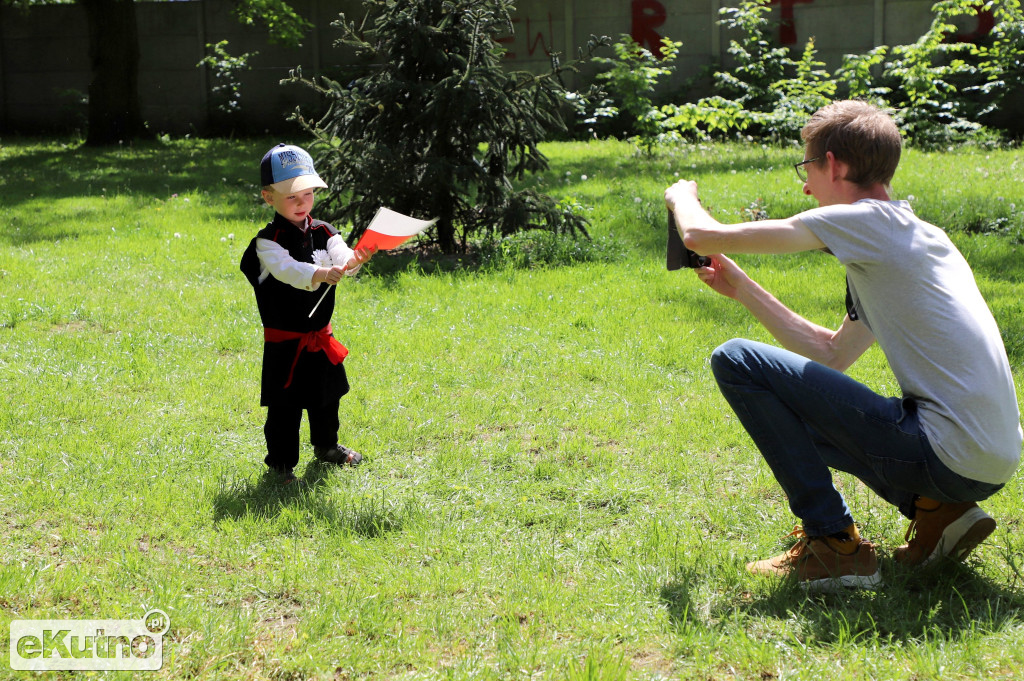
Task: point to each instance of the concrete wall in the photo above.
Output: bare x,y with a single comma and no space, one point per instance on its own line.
44,59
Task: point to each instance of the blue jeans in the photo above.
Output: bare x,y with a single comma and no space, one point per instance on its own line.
806,418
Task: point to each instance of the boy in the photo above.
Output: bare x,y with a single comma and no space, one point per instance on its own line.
953,438
287,262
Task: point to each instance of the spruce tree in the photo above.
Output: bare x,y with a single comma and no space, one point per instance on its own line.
436,127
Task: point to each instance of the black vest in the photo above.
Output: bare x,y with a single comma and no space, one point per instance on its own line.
315,381
283,306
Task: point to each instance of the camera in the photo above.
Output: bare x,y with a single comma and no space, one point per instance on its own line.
677,255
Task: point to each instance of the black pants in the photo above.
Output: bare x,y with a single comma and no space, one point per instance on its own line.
282,432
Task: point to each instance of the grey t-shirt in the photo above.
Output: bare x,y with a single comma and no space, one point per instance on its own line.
916,293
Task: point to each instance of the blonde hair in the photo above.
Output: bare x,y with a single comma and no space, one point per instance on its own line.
860,135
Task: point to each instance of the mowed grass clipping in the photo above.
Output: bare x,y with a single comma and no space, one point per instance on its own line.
554,487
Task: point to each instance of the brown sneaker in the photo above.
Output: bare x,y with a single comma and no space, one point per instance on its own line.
952,530
822,569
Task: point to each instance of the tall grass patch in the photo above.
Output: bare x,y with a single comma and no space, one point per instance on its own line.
553,487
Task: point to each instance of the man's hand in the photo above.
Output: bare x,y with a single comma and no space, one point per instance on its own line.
689,215
682,192
723,276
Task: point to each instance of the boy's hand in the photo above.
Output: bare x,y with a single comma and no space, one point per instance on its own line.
360,256
330,275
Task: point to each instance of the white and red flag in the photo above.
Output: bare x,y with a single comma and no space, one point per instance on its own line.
389,229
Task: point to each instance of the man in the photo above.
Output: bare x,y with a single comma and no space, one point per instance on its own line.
952,439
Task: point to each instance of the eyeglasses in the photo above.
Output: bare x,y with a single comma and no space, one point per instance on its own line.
799,168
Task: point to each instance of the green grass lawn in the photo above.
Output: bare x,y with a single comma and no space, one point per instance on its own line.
554,488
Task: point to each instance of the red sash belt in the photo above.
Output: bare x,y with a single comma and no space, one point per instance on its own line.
312,341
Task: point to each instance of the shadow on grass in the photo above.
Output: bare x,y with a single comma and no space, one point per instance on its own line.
995,256
146,169
950,601
529,249
75,181
266,500
387,266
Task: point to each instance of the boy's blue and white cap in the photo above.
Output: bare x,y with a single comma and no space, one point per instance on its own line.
289,169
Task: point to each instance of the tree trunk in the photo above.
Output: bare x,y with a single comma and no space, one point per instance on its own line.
115,115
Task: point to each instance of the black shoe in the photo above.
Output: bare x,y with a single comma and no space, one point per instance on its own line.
286,477
337,454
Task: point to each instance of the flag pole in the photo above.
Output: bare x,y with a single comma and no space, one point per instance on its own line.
320,301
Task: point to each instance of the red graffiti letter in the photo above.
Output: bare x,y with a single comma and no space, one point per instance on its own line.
787,27
509,40
647,16
986,22
532,47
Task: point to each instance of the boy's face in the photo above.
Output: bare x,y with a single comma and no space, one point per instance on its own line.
292,207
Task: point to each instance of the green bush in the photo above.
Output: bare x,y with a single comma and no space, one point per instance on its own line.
526,250
632,77
767,94
941,91
758,64
225,69
924,81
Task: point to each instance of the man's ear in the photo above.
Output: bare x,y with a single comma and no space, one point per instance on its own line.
836,168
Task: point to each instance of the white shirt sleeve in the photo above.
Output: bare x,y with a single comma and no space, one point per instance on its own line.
275,260
341,254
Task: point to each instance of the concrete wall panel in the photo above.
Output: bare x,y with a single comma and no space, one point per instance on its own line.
44,53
